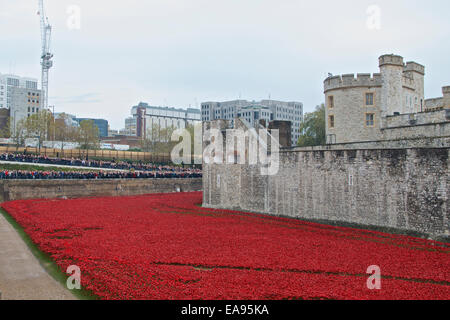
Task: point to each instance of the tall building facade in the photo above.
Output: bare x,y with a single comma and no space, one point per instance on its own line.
20,95
8,82
253,112
101,124
24,103
130,126
146,118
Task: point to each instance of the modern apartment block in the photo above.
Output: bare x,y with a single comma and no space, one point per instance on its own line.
145,118
20,95
253,112
24,102
8,82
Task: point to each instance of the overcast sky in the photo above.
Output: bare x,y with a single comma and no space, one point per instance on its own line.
183,52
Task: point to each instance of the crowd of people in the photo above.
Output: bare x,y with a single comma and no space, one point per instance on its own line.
118,170
117,165
87,175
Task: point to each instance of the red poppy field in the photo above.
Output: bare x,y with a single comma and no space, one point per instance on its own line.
165,246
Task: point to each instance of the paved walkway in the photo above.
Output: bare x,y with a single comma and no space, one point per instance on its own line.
60,166
21,275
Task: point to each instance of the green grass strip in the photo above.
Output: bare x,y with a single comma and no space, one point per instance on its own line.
46,261
27,167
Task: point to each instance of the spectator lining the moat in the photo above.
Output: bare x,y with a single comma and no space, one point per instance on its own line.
120,165
83,175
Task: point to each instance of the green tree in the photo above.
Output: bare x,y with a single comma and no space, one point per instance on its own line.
5,131
88,135
313,128
40,126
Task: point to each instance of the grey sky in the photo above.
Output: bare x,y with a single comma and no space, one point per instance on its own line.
180,53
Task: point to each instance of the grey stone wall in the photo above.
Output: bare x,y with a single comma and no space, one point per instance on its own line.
48,189
418,142
421,118
349,113
398,188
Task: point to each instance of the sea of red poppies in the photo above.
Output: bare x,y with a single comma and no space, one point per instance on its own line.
165,246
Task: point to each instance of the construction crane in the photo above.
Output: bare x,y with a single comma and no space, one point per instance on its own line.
46,56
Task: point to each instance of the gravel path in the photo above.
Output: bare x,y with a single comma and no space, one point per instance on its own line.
21,275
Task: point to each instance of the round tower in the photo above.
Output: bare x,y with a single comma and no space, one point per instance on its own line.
391,68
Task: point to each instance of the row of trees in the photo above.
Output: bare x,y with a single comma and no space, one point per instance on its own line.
42,126
159,140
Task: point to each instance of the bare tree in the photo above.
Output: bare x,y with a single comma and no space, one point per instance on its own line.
39,126
64,131
19,133
88,135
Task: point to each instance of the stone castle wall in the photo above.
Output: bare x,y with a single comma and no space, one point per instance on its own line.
397,89
399,188
349,113
49,189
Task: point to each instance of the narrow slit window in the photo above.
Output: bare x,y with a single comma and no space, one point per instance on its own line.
370,119
369,99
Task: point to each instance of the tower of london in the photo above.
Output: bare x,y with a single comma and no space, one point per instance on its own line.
374,107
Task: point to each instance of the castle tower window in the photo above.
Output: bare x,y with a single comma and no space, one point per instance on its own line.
331,121
330,102
369,99
370,119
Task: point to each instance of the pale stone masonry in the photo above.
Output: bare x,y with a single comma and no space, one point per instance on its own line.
47,189
386,162
361,108
404,188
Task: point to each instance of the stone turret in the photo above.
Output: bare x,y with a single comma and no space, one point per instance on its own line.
446,94
416,72
391,67
415,67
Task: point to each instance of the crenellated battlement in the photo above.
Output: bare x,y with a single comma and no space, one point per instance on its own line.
350,81
412,66
391,59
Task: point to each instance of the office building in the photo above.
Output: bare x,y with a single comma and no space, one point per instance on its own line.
145,118
101,124
253,112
